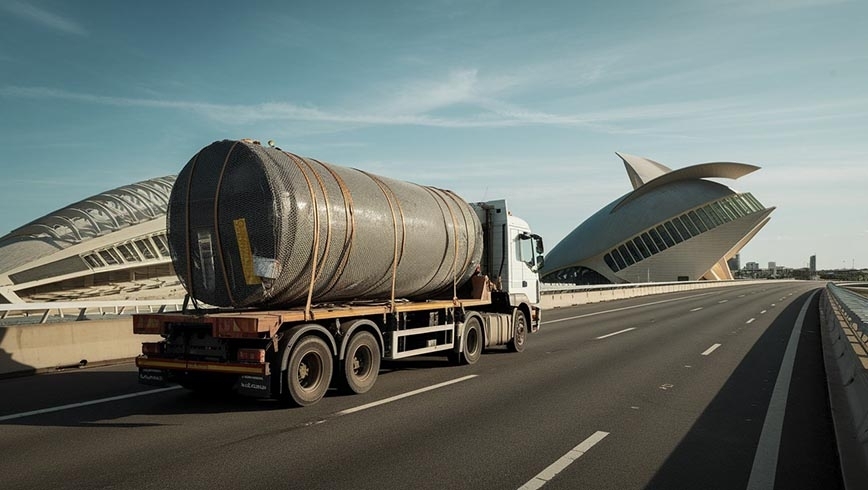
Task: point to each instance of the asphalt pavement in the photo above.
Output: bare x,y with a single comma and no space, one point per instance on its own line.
717,388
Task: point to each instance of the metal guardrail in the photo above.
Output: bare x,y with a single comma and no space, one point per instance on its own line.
39,313
853,306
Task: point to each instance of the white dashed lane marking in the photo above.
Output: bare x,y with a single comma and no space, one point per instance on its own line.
711,349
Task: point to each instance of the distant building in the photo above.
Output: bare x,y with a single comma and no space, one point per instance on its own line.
675,225
751,266
813,266
734,263
111,245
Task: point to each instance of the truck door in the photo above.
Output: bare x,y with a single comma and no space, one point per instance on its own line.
523,277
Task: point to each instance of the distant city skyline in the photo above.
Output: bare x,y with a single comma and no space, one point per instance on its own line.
492,99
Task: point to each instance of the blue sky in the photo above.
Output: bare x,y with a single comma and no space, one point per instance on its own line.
523,100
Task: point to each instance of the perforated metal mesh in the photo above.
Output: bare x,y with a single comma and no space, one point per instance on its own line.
254,226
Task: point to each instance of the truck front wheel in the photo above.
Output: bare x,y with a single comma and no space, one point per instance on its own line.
361,364
519,332
309,371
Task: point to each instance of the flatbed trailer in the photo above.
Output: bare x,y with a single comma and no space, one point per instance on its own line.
296,354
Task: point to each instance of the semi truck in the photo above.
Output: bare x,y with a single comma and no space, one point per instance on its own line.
302,275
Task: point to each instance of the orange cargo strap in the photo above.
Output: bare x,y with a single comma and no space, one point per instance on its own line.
397,246
315,255
350,235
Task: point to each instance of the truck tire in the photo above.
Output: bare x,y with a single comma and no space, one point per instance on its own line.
519,324
309,371
471,342
361,365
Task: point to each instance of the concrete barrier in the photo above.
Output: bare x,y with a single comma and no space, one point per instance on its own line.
846,362
580,295
38,348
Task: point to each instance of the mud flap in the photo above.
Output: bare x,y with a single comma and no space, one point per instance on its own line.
152,377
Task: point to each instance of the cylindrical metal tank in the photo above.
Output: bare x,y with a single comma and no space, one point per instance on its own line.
255,226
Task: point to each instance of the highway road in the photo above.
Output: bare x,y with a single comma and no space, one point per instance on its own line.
718,388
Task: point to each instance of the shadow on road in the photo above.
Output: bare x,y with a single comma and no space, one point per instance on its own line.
723,440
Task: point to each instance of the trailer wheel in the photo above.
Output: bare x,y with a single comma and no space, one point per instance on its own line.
519,324
361,364
472,342
309,371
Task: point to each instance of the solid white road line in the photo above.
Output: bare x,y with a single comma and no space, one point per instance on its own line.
404,395
711,349
750,321
615,333
625,308
575,453
84,404
696,309
765,462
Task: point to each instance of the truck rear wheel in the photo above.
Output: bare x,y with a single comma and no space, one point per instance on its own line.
309,371
361,364
519,332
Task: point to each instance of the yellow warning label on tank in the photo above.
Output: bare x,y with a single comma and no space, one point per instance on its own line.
244,250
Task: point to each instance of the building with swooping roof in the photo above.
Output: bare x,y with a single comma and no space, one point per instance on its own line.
111,245
674,226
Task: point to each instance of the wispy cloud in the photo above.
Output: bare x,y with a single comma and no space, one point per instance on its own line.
765,6
45,18
489,113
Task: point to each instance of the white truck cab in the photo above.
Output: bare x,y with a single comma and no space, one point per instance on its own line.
513,253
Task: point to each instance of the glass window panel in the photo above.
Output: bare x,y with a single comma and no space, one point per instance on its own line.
642,248
146,249
93,260
721,211
728,208
756,204
667,238
114,252
697,222
611,263
658,240
753,201
128,253
689,224
162,246
741,204
652,247
619,259
715,215
633,250
732,208
626,254
673,232
107,257
681,228
711,214
709,223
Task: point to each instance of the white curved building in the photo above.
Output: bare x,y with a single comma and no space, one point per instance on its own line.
674,226
109,245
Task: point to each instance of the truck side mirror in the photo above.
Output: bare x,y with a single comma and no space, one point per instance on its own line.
539,244
540,262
